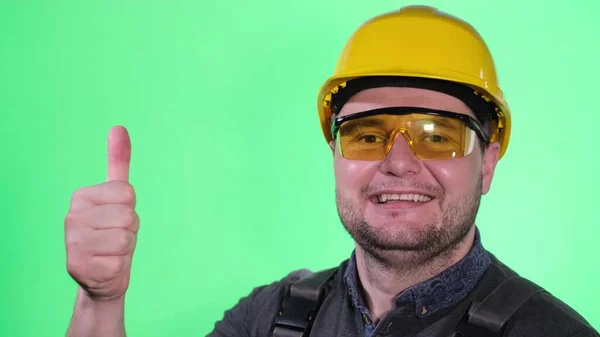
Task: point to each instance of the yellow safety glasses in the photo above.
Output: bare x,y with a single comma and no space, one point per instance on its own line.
431,134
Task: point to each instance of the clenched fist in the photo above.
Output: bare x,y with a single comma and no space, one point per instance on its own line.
101,227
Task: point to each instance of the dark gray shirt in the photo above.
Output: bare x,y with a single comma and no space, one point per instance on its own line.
431,308
445,290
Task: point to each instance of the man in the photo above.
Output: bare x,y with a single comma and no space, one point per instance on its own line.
416,123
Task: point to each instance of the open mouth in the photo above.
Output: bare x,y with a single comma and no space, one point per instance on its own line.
389,198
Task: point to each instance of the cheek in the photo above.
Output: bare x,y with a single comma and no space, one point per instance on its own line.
457,176
351,175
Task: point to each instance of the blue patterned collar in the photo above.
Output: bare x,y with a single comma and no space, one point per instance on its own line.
444,290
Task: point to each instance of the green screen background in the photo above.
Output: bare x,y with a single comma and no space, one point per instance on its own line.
234,181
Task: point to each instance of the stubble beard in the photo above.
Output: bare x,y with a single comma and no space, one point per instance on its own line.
428,246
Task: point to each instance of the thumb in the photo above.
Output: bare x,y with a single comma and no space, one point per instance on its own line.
119,154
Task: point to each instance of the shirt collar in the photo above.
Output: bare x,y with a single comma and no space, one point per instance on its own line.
444,290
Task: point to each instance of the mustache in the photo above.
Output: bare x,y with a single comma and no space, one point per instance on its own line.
402,184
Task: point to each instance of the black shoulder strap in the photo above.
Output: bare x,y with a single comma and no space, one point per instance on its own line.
485,318
299,308
488,317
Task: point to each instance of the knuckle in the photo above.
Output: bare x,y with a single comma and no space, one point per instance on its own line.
74,265
71,220
124,240
136,224
71,241
116,266
127,216
127,192
82,198
77,197
79,193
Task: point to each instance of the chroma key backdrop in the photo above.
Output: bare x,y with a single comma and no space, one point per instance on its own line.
234,180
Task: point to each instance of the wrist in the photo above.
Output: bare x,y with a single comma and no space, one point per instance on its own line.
98,317
86,298
85,301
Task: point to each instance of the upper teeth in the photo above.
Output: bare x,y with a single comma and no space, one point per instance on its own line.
408,197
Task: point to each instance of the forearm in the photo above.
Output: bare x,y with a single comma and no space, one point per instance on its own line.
97,318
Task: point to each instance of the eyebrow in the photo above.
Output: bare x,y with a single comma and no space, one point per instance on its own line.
353,125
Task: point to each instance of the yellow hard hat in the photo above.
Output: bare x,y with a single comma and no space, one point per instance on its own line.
419,41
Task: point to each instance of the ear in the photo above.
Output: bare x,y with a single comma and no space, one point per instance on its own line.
488,166
332,147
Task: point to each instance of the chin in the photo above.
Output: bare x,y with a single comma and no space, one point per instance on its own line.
396,235
407,221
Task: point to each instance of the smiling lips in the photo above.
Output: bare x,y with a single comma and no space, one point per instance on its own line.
383,198
406,199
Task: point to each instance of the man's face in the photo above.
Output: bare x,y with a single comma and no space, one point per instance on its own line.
452,187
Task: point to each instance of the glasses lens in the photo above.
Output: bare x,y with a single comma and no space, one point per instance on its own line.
430,137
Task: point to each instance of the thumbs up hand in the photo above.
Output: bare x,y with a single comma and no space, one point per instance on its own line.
101,227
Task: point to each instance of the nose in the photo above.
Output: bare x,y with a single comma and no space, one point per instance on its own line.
400,160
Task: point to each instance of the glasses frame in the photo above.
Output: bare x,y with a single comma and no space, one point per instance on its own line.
469,121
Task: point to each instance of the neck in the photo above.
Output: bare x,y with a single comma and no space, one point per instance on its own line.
384,279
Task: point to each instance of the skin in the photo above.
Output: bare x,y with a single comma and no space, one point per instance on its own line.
395,249
398,248
100,237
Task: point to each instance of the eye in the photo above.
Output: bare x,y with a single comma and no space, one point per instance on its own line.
370,139
436,138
